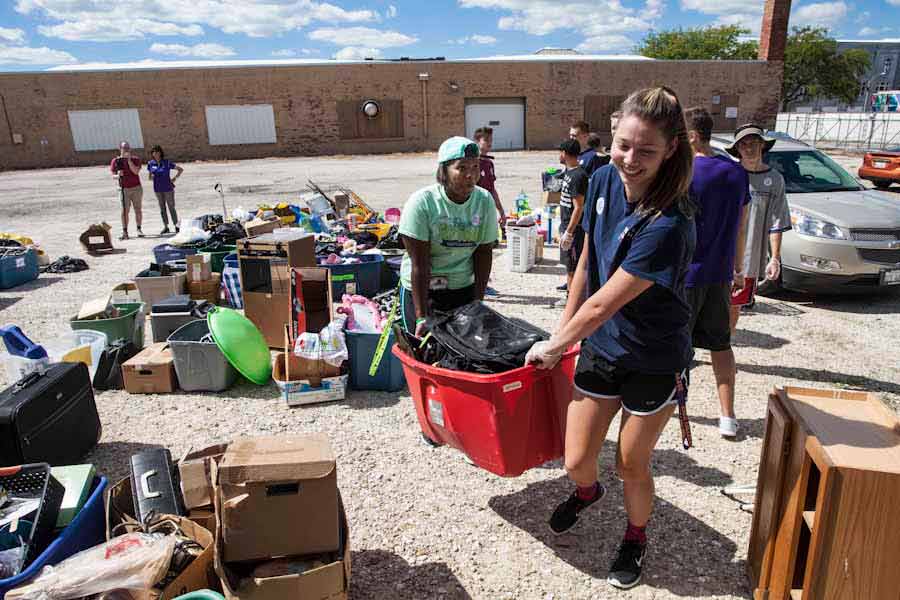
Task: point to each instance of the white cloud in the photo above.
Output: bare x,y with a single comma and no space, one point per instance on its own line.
196,51
601,22
615,44
894,2
362,37
391,11
24,55
729,12
820,14
115,30
15,36
873,31
485,40
255,18
357,53
289,53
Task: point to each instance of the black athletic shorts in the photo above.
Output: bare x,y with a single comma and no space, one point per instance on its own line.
639,393
570,258
710,316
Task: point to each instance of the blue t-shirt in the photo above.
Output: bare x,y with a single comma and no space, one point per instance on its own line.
720,189
650,334
590,161
162,178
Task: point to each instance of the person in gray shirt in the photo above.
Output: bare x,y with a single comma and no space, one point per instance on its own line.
769,216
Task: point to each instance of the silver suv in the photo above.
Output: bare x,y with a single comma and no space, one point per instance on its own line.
845,238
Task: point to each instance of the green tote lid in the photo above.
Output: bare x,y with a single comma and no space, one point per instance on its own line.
241,343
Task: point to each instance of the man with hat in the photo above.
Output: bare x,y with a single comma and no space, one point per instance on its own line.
448,229
768,217
126,169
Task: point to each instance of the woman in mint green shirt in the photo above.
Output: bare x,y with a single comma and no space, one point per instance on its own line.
448,229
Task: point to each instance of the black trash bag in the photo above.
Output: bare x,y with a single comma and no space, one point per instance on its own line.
477,339
364,238
109,368
66,264
228,233
326,248
391,241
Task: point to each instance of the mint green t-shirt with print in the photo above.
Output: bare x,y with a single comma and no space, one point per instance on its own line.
453,230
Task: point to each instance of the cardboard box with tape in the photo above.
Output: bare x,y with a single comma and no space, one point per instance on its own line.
150,371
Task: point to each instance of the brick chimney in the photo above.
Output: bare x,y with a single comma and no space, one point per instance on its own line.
773,33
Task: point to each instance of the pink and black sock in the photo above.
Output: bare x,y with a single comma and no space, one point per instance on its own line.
633,533
588,493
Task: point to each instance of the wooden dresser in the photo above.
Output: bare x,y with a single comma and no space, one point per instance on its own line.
826,520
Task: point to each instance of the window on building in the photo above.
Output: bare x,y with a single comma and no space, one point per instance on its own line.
105,129
240,124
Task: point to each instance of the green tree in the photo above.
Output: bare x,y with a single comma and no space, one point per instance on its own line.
700,43
813,68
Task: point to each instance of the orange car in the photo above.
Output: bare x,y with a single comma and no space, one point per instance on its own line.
882,167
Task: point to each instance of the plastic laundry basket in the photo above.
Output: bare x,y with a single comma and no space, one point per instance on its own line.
199,363
520,248
79,345
506,423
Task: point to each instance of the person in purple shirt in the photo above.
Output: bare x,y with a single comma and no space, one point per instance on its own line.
160,169
721,189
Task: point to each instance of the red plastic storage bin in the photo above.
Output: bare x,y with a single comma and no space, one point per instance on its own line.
506,423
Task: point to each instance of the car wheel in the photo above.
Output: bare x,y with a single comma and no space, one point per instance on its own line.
882,185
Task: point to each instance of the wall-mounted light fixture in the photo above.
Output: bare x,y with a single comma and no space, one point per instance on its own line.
454,87
371,109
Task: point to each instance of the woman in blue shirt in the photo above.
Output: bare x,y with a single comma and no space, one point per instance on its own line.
160,169
627,306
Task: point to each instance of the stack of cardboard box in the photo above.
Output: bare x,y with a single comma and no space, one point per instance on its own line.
202,282
281,528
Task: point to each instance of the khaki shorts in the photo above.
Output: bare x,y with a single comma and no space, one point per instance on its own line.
132,197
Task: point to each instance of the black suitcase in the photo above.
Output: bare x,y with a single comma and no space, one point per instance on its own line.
155,485
49,417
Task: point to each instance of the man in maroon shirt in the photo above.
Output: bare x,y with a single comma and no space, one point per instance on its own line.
484,136
126,169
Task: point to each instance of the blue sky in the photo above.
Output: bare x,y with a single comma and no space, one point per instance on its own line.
35,34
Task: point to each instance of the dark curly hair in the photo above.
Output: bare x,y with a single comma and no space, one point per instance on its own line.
158,148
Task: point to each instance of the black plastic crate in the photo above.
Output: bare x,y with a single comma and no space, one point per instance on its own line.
35,481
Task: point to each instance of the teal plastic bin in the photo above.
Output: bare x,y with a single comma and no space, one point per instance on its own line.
363,278
389,376
128,325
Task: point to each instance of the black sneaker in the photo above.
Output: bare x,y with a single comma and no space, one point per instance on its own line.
177,229
625,572
140,233
566,514
164,231
563,288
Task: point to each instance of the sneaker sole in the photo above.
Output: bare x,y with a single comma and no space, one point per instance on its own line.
622,586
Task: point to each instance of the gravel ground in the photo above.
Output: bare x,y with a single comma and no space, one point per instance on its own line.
424,523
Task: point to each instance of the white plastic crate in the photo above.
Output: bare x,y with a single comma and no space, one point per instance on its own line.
520,248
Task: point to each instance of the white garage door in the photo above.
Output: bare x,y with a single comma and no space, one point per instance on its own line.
105,129
242,124
505,115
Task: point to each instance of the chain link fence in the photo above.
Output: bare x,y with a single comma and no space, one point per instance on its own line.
844,131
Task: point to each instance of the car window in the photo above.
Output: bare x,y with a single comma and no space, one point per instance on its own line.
810,171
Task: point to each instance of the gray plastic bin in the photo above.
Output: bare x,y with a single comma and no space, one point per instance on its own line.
199,364
165,324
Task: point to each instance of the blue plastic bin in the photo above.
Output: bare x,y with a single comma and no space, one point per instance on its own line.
17,266
167,252
86,530
362,278
389,376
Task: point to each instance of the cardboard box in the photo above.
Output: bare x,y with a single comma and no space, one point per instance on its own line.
262,226
77,479
198,267
198,575
291,375
538,248
126,293
550,197
208,290
330,581
150,371
195,470
265,269
277,496
99,308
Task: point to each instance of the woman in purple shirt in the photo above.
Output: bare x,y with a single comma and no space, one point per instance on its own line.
164,185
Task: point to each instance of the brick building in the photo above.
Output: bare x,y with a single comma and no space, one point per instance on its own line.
319,107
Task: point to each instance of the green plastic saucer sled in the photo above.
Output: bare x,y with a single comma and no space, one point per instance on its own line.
241,343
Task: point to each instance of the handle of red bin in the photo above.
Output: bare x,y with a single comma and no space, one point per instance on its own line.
9,471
